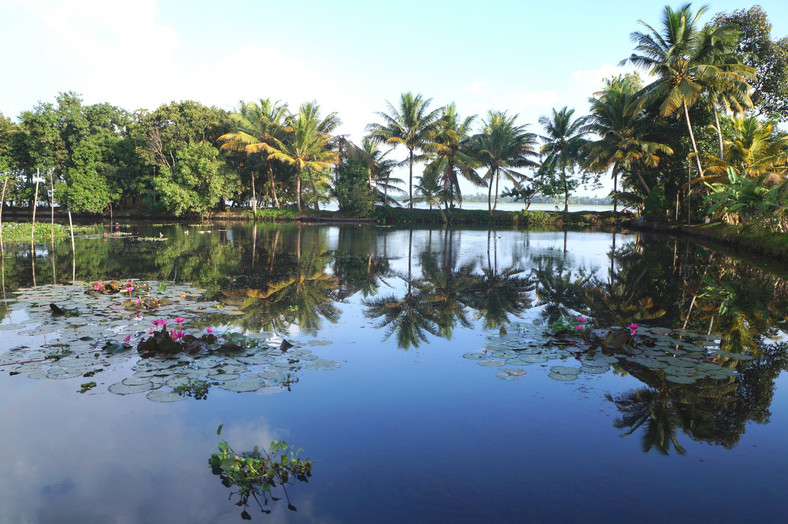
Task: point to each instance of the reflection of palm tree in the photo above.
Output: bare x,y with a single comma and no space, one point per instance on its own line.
446,290
302,296
557,288
652,409
411,317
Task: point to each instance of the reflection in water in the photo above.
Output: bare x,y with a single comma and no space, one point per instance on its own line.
419,286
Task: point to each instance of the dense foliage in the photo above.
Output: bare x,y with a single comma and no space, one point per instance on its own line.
717,92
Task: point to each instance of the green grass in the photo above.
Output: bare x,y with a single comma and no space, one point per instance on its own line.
15,232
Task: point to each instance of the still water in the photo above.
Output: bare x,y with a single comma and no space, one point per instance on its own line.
424,380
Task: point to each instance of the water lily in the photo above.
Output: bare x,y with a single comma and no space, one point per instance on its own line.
128,337
581,319
633,329
96,287
180,319
159,322
579,328
176,334
209,330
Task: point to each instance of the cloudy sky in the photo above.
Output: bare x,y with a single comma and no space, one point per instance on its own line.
350,56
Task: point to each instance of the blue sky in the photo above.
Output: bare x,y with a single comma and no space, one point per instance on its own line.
350,56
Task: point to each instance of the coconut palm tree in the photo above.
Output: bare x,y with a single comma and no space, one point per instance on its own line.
754,147
623,144
379,167
306,145
685,60
451,153
562,148
412,125
501,146
256,129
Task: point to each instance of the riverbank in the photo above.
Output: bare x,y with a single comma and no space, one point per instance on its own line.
764,243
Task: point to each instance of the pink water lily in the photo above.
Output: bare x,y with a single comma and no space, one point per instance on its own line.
633,329
579,328
159,322
179,320
176,334
581,319
96,288
209,330
128,337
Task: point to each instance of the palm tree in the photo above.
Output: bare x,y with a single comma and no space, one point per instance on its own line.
256,129
685,60
731,92
306,145
562,147
754,147
379,167
622,144
501,146
451,154
412,125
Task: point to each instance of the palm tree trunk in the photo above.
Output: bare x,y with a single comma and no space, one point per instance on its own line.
410,181
298,189
2,203
615,185
489,194
314,190
566,190
33,227
640,177
719,131
497,179
254,195
273,186
692,138
52,209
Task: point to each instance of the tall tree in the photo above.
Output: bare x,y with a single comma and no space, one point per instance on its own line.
623,143
502,146
307,144
768,57
682,57
562,149
452,155
256,129
411,125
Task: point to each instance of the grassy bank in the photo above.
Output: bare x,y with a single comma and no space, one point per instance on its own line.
14,232
393,216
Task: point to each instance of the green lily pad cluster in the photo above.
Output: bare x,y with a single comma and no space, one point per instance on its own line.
100,337
679,356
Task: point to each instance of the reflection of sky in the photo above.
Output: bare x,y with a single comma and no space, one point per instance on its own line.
422,435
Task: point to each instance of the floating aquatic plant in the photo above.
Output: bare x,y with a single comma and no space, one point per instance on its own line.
104,333
257,473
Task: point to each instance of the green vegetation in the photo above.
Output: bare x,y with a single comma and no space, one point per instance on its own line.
256,473
20,232
717,93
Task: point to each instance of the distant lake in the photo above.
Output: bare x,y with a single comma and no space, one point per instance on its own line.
435,375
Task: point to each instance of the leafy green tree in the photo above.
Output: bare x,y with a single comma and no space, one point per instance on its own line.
430,191
351,191
502,146
197,181
411,125
379,168
562,150
768,57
